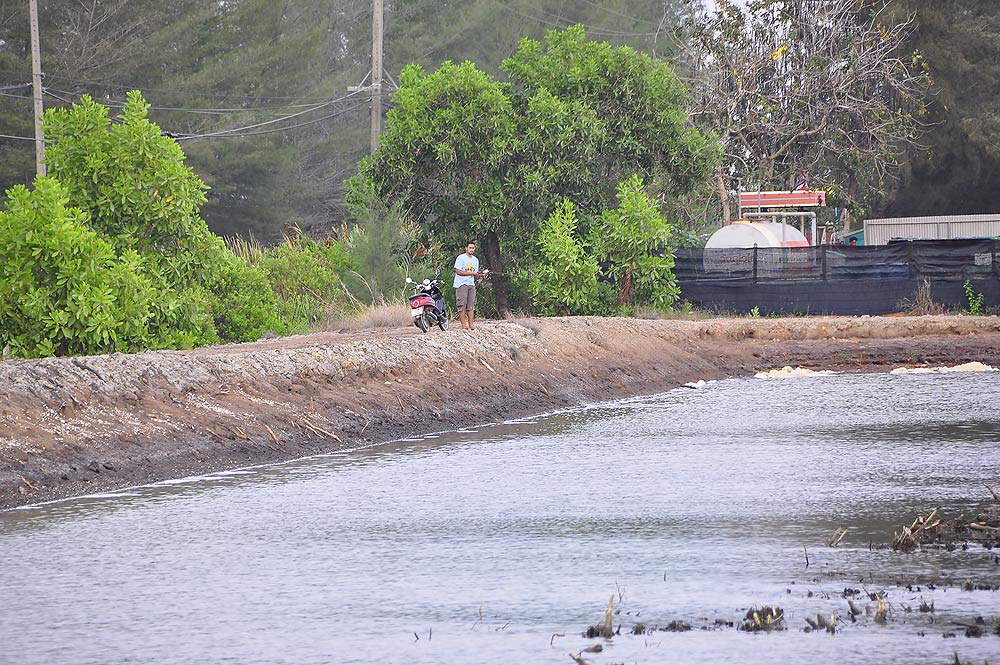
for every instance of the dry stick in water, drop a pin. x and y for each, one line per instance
(996, 497)
(607, 630)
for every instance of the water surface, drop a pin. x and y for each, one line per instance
(502, 544)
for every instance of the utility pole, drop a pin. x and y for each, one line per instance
(377, 33)
(375, 87)
(36, 86)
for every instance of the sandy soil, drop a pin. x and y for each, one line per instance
(71, 426)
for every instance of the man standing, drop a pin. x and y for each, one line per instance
(466, 271)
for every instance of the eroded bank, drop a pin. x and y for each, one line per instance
(71, 426)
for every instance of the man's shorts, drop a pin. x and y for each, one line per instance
(465, 298)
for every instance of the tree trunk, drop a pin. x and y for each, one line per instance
(501, 285)
(727, 213)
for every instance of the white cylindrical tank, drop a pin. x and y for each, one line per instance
(744, 235)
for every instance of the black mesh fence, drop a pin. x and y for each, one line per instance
(839, 279)
(938, 259)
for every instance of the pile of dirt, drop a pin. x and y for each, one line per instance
(71, 426)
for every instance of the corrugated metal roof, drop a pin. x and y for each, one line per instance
(942, 227)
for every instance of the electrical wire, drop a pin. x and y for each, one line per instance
(222, 111)
(23, 138)
(617, 13)
(594, 30)
(189, 137)
(224, 132)
(194, 93)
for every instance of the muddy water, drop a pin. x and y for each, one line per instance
(501, 545)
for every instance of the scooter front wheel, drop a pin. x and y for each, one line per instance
(443, 322)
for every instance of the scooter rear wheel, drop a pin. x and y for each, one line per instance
(420, 323)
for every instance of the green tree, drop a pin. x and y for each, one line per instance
(239, 63)
(138, 193)
(472, 156)
(956, 169)
(565, 279)
(63, 289)
(637, 242)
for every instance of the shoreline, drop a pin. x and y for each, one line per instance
(81, 425)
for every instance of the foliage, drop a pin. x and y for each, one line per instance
(565, 281)
(471, 156)
(380, 244)
(235, 64)
(638, 103)
(826, 89)
(245, 307)
(975, 299)
(63, 290)
(956, 168)
(636, 241)
(304, 275)
(131, 178)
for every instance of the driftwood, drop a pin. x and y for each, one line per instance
(983, 529)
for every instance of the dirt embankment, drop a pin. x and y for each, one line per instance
(79, 425)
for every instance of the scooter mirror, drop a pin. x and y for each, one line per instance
(409, 281)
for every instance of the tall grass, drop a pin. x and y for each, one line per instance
(381, 315)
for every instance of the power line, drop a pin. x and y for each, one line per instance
(223, 132)
(222, 111)
(176, 91)
(276, 129)
(617, 13)
(23, 138)
(559, 19)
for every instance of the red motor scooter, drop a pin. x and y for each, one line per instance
(427, 304)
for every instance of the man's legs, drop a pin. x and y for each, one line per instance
(470, 303)
(461, 295)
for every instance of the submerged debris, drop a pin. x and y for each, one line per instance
(984, 529)
(604, 629)
(766, 618)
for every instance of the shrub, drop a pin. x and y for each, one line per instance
(63, 290)
(636, 242)
(304, 277)
(565, 281)
(129, 176)
(139, 195)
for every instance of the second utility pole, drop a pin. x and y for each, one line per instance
(36, 85)
(376, 73)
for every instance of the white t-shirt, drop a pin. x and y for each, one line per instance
(468, 263)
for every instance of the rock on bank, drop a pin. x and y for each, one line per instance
(78, 425)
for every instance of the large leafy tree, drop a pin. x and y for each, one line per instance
(827, 88)
(238, 63)
(471, 155)
(957, 167)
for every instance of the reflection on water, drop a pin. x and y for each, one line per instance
(502, 543)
